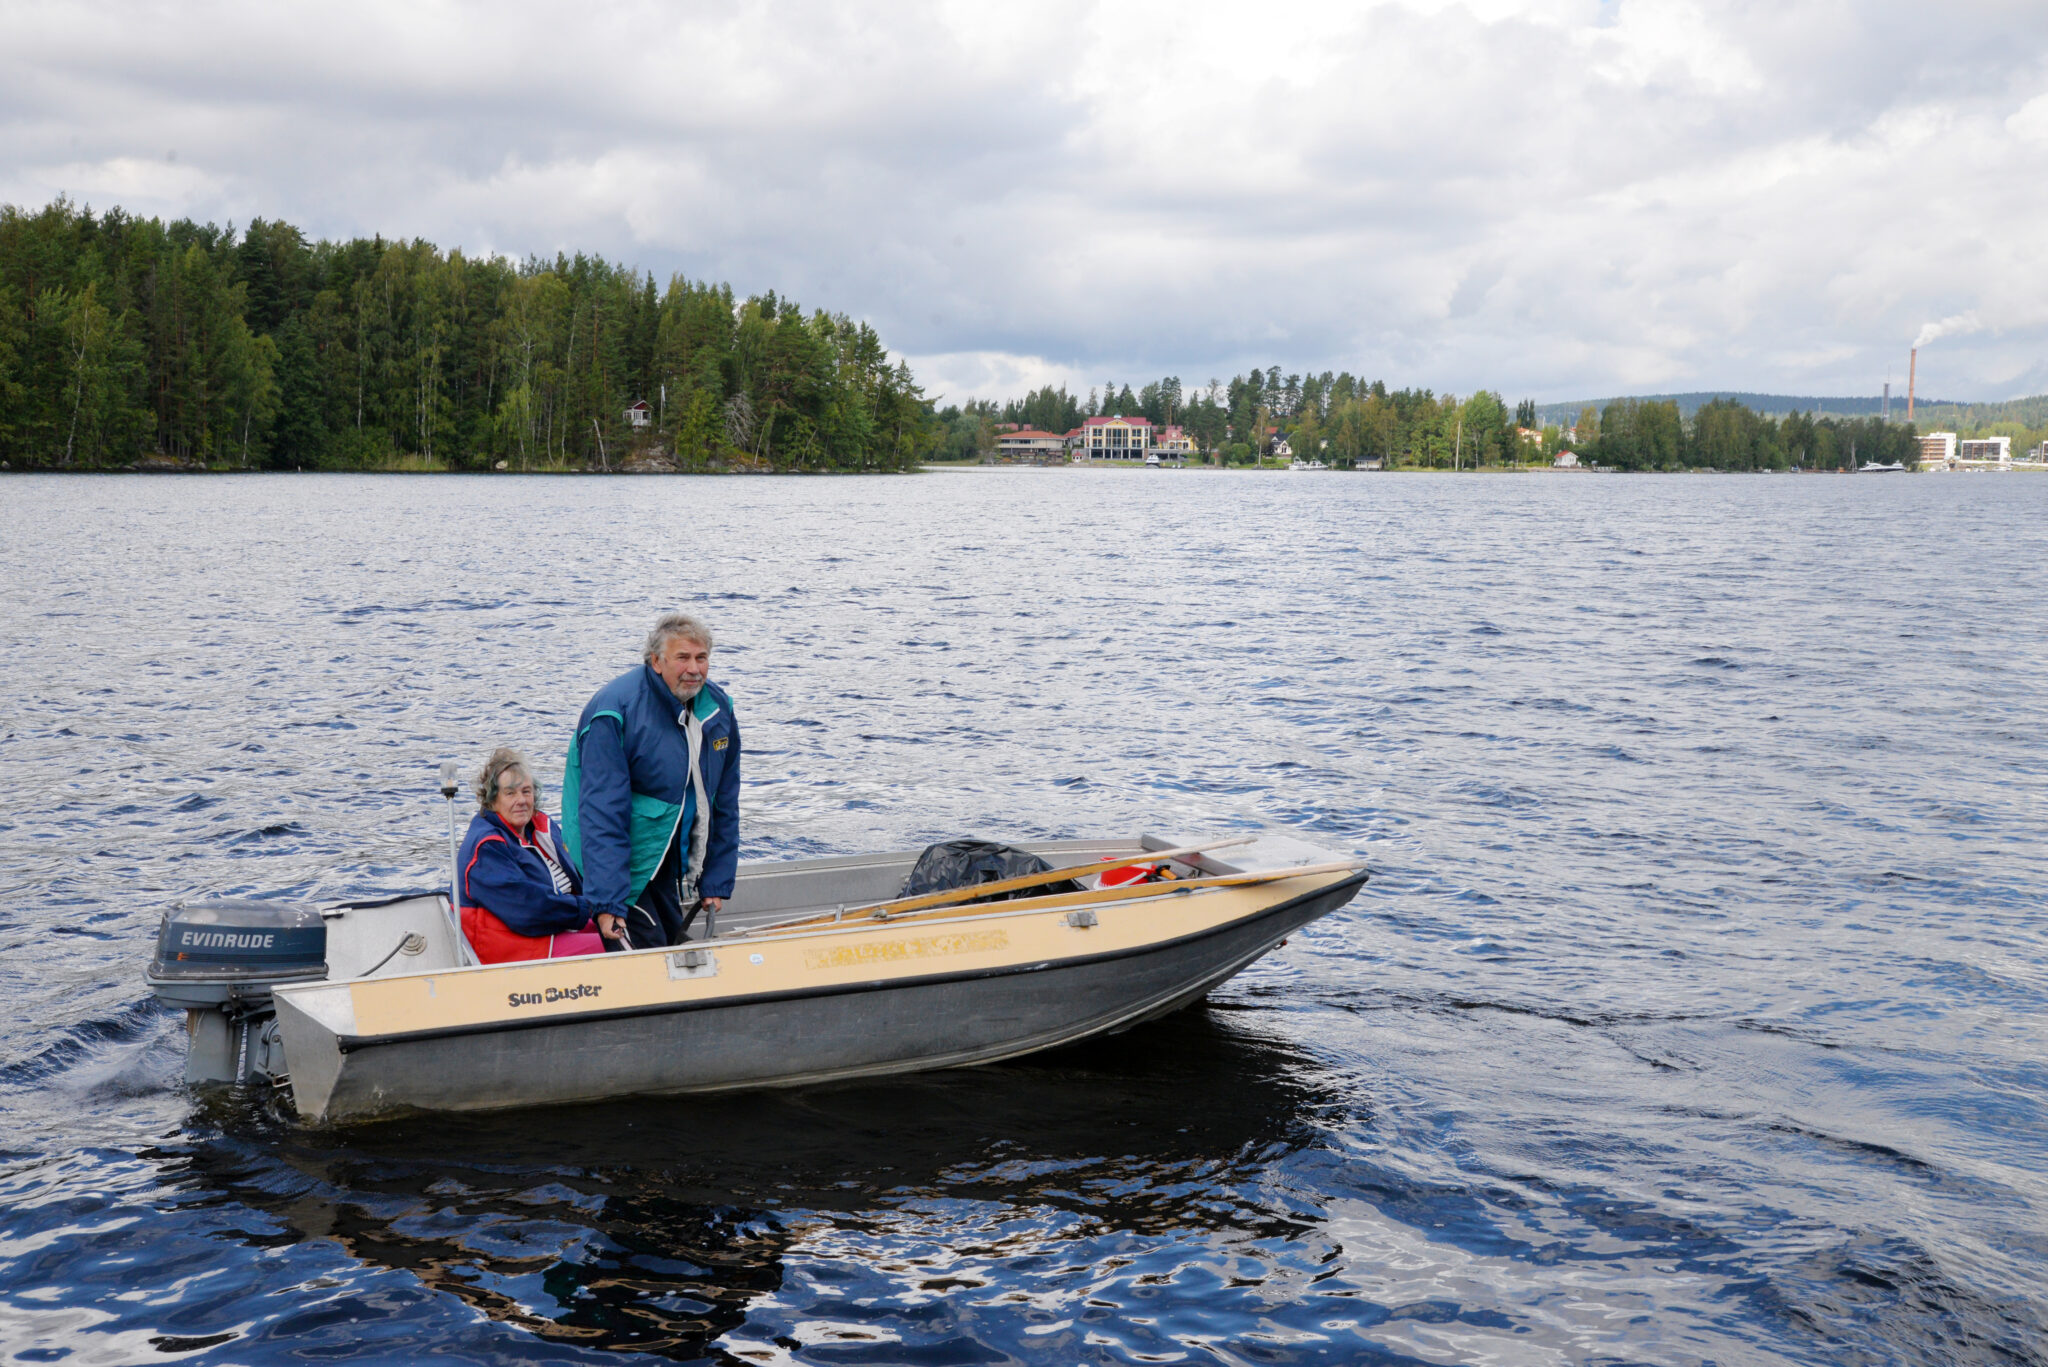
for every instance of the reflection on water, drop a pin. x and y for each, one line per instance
(654, 1225)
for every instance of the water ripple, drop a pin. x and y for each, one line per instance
(1695, 1013)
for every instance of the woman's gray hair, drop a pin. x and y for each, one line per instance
(670, 625)
(503, 761)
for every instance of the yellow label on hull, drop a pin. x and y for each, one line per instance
(892, 951)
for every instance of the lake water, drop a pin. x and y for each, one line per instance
(1695, 1012)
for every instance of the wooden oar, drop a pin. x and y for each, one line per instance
(1094, 896)
(948, 896)
(945, 896)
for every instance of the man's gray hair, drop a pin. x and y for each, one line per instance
(671, 625)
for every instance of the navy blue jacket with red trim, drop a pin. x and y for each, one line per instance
(502, 874)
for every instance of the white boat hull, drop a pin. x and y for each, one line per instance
(775, 1038)
(791, 989)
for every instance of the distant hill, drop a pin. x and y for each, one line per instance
(1776, 405)
(1972, 419)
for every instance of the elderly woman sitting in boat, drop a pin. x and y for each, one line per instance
(521, 896)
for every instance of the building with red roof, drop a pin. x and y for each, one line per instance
(1114, 438)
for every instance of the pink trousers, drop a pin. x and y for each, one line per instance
(584, 941)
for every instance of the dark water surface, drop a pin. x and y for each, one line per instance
(1695, 1013)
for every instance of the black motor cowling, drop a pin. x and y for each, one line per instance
(232, 950)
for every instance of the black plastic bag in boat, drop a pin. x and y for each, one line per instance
(963, 863)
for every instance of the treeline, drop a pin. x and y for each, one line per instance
(1345, 420)
(1724, 435)
(123, 338)
(1337, 415)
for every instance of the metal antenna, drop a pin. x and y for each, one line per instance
(451, 780)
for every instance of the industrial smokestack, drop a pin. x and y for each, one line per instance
(1912, 370)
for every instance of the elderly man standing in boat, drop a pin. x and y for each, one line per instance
(650, 795)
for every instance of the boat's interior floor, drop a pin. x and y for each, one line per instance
(412, 933)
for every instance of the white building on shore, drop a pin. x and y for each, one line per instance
(1938, 451)
(1941, 451)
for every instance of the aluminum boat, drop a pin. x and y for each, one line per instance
(814, 972)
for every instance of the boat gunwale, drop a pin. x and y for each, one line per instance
(809, 921)
(873, 916)
(347, 1044)
(762, 869)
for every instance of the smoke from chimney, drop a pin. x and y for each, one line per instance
(1954, 326)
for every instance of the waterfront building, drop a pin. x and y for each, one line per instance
(1115, 438)
(1938, 451)
(1030, 444)
(1566, 460)
(1172, 442)
(640, 414)
(1990, 450)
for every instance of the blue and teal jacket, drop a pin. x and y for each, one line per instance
(503, 875)
(627, 789)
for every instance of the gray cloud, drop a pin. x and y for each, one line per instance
(1559, 198)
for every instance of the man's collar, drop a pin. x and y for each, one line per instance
(668, 695)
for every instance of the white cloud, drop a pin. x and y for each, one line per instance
(1561, 198)
(2030, 120)
(951, 377)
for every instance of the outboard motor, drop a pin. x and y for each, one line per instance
(218, 960)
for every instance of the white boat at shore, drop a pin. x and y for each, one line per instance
(813, 975)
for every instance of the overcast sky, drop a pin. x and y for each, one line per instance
(1554, 198)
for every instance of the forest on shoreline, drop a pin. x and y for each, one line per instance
(129, 341)
(135, 343)
(1347, 422)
